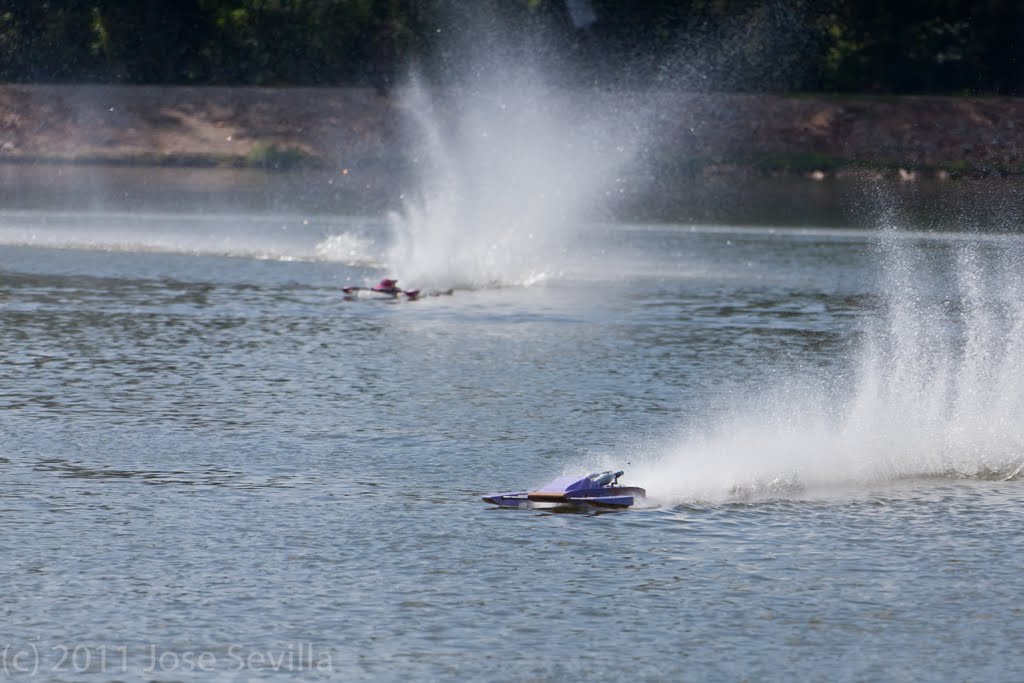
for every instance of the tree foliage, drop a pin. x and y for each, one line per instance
(942, 46)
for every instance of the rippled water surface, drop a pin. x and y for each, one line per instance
(214, 467)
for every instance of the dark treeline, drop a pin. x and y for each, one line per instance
(928, 46)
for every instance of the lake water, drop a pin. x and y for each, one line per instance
(215, 468)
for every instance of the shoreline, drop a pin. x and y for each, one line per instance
(718, 158)
(288, 128)
(285, 160)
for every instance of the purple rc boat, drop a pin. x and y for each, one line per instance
(601, 489)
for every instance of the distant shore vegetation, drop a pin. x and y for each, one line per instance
(842, 46)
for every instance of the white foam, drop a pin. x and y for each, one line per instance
(509, 171)
(939, 392)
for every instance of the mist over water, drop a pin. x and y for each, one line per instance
(936, 389)
(512, 171)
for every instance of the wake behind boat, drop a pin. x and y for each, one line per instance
(600, 489)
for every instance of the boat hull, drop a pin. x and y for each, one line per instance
(579, 492)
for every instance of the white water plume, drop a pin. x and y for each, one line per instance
(509, 176)
(939, 391)
(942, 380)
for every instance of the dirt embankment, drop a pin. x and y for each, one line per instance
(353, 126)
(190, 126)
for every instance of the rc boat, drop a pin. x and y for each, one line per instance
(386, 287)
(600, 489)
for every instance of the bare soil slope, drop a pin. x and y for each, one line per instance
(160, 125)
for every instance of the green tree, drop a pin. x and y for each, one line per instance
(45, 41)
(158, 41)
